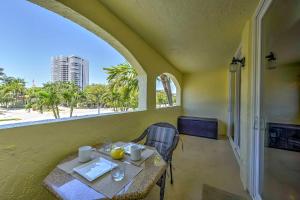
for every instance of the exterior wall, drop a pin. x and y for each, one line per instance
(70, 68)
(59, 68)
(28, 154)
(85, 73)
(205, 94)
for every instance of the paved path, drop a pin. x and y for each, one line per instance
(22, 115)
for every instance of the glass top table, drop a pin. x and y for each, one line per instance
(66, 186)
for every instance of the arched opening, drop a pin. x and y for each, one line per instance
(167, 91)
(75, 17)
(67, 91)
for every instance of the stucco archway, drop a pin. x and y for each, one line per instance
(177, 87)
(77, 18)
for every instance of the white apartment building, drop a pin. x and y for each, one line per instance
(70, 68)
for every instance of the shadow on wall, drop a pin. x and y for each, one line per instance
(205, 94)
(282, 94)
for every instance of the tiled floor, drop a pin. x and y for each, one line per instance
(281, 175)
(203, 161)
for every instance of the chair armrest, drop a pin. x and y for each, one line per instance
(173, 147)
(141, 137)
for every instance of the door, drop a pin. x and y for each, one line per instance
(276, 114)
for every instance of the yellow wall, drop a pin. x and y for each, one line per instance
(28, 154)
(205, 94)
(282, 94)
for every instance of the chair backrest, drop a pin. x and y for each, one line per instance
(164, 137)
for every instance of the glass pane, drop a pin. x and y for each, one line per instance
(280, 171)
(233, 104)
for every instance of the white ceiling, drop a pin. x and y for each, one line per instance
(190, 34)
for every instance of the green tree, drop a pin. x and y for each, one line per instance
(161, 98)
(50, 97)
(71, 95)
(96, 94)
(6, 96)
(13, 89)
(2, 74)
(32, 99)
(123, 86)
(174, 99)
(166, 82)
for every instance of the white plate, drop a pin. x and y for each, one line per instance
(128, 145)
(95, 168)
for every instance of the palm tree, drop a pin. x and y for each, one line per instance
(161, 98)
(96, 94)
(166, 82)
(71, 94)
(6, 95)
(18, 88)
(32, 99)
(123, 84)
(50, 97)
(122, 75)
(2, 74)
(15, 87)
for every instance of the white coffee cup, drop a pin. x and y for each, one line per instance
(135, 153)
(85, 153)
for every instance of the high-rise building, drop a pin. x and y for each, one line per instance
(70, 69)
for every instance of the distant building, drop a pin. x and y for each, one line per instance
(70, 69)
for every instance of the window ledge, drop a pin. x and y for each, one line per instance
(48, 121)
(167, 107)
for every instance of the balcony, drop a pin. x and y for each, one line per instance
(202, 162)
(192, 42)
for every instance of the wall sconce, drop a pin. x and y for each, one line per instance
(235, 62)
(271, 60)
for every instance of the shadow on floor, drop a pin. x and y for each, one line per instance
(203, 161)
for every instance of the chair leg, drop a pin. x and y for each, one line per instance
(162, 187)
(171, 172)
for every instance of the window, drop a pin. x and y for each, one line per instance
(48, 82)
(166, 91)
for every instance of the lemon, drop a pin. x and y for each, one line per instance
(117, 153)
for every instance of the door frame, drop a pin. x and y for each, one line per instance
(234, 143)
(256, 123)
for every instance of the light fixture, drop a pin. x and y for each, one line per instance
(236, 62)
(271, 60)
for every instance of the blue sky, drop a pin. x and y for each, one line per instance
(30, 35)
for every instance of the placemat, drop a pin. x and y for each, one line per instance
(104, 184)
(146, 153)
